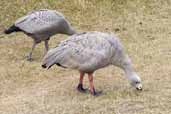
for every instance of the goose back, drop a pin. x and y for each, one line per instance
(43, 22)
(86, 52)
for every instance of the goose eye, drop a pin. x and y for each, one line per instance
(137, 82)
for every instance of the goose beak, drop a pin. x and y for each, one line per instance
(139, 87)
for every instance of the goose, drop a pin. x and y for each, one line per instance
(40, 25)
(88, 52)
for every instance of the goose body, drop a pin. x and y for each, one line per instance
(41, 25)
(86, 52)
(90, 51)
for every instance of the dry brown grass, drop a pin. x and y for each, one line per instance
(144, 27)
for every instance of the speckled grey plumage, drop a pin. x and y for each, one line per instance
(42, 24)
(84, 51)
(91, 51)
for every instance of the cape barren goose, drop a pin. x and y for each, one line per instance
(41, 25)
(88, 52)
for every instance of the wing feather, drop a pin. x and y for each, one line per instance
(39, 21)
(83, 53)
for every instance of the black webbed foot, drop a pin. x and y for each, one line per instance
(95, 93)
(81, 89)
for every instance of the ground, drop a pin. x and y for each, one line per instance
(144, 28)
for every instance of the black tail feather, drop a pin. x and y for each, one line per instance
(60, 65)
(11, 29)
(43, 66)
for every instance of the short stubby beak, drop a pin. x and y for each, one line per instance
(139, 87)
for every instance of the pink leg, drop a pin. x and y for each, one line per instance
(81, 77)
(80, 85)
(92, 89)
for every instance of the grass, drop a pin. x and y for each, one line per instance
(143, 27)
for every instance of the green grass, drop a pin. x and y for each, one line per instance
(144, 28)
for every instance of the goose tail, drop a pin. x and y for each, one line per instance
(11, 29)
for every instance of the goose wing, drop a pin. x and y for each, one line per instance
(83, 52)
(39, 21)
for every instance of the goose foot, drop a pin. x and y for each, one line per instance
(95, 93)
(81, 89)
(29, 58)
